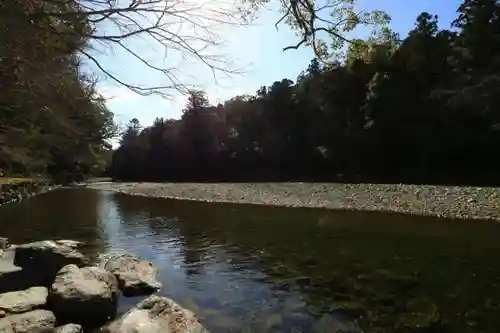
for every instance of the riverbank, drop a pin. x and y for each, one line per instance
(17, 189)
(51, 287)
(441, 201)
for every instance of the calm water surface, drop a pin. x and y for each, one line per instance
(244, 268)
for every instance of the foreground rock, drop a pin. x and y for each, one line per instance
(156, 315)
(38, 321)
(86, 296)
(23, 301)
(42, 260)
(79, 294)
(69, 328)
(135, 276)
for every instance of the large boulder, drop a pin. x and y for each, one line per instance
(135, 276)
(42, 260)
(86, 296)
(23, 301)
(37, 321)
(69, 328)
(156, 314)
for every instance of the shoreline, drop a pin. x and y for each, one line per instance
(11, 192)
(454, 202)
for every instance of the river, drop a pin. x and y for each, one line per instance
(247, 268)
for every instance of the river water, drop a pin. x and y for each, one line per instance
(244, 268)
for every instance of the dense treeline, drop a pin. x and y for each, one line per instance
(426, 108)
(52, 120)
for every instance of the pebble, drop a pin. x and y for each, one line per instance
(441, 201)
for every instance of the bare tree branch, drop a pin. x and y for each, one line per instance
(183, 28)
(187, 29)
(144, 91)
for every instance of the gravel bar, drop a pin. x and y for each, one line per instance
(442, 201)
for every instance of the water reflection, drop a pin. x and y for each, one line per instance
(273, 269)
(259, 269)
(63, 214)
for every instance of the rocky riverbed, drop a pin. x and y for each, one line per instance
(50, 286)
(441, 201)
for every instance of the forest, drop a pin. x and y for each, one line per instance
(423, 109)
(53, 122)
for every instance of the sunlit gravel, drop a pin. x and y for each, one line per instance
(442, 201)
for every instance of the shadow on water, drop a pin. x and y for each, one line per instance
(244, 268)
(61, 214)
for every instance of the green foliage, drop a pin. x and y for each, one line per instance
(52, 119)
(421, 109)
(322, 25)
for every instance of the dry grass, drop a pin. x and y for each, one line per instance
(17, 180)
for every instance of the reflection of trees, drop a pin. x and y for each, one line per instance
(130, 212)
(363, 263)
(61, 214)
(162, 219)
(192, 250)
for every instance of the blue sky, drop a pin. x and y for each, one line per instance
(256, 48)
